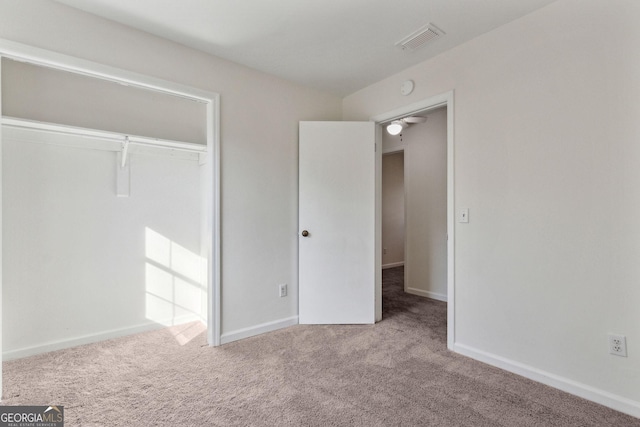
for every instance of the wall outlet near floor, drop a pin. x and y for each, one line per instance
(618, 345)
(282, 290)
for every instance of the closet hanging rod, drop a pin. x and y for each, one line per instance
(104, 135)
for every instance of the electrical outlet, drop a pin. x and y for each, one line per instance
(384, 251)
(618, 345)
(282, 290)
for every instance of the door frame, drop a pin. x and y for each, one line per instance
(443, 100)
(211, 233)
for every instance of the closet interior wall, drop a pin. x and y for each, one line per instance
(81, 264)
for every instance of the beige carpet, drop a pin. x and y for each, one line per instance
(395, 373)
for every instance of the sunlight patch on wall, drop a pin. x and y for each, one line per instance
(175, 280)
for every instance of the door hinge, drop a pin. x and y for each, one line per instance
(375, 147)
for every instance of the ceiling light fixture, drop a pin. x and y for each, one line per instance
(396, 127)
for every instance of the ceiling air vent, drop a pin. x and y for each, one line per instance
(420, 37)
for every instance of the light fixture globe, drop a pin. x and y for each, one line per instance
(395, 127)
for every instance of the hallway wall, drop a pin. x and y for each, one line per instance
(393, 210)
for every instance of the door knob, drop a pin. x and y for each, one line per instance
(305, 233)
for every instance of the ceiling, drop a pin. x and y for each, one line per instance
(339, 46)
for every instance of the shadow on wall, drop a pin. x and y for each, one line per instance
(175, 283)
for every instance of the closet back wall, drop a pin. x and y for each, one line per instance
(81, 264)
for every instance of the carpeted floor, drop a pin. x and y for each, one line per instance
(395, 373)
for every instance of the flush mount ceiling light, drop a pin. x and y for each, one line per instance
(396, 126)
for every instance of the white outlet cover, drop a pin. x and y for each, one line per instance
(618, 345)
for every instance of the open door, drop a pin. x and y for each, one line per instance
(337, 223)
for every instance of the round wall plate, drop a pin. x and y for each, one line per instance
(407, 87)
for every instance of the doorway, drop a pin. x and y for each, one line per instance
(446, 102)
(424, 146)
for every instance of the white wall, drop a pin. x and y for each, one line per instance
(80, 263)
(425, 146)
(546, 158)
(259, 144)
(392, 209)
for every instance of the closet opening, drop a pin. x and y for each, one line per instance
(110, 208)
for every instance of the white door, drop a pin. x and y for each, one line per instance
(337, 223)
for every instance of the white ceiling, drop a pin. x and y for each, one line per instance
(339, 46)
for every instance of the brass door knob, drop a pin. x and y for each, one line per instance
(305, 233)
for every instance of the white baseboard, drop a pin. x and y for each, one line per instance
(593, 394)
(258, 329)
(91, 338)
(428, 294)
(393, 264)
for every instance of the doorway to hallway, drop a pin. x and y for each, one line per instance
(437, 269)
